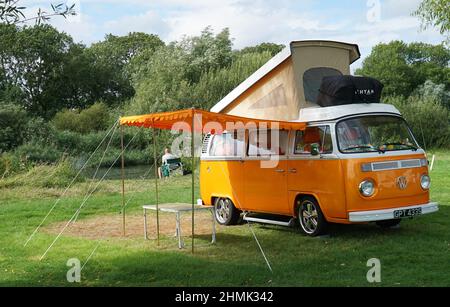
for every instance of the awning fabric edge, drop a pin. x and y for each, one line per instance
(204, 121)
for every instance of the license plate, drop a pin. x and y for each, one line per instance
(407, 212)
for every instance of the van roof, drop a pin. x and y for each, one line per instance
(336, 112)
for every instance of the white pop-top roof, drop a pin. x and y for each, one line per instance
(336, 112)
(273, 63)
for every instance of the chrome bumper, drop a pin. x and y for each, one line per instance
(388, 214)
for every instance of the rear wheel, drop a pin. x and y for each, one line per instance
(311, 219)
(225, 212)
(388, 223)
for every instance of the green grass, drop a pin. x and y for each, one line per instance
(416, 254)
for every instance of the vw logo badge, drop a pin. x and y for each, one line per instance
(402, 183)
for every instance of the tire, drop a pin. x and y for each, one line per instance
(311, 219)
(388, 223)
(225, 212)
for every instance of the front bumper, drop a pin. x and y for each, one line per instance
(388, 214)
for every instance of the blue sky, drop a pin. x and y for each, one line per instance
(364, 22)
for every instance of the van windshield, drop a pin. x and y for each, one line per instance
(374, 134)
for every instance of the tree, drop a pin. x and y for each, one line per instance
(12, 122)
(272, 48)
(215, 84)
(112, 58)
(11, 12)
(435, 13)
(39, 61)
(206, 52)
(403, 67)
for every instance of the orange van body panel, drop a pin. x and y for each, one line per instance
(333, 182)
(221, 179)
(387, 194)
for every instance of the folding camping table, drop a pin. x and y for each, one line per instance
(179, 208)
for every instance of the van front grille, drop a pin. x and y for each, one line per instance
(391, 165)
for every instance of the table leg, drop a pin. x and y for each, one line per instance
(145, 225)
(180, 240)
(213, 226)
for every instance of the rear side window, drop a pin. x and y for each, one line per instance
(320, 135)
(267, 143)
(227, 145)
(312, 79)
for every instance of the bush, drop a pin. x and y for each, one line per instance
(45, 176)
(39, 153)
(94, 118)
(12, 121)
(11, 164)
(429, 120)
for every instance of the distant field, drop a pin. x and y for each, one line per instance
(416, 254)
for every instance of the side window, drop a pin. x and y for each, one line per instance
(312, 79)
(267, 143)
(226, 145)
(320, 135)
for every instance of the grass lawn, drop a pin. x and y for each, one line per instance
(416, 254)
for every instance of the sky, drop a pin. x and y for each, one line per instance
(364, 22)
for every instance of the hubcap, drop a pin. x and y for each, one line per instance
(223, 209)
(309, 218)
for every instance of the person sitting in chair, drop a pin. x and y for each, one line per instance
(167, 156)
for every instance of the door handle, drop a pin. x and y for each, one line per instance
(279, 170)
(292, 170)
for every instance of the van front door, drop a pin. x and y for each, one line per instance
(265, 172)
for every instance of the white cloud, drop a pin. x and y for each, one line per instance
(255, 21)
(149, 22)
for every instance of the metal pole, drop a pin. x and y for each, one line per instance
(156, 185)
(123, 180)
(193, 176)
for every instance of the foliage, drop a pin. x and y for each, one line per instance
(112, 56)
(435, 13)
(271, 48)
(12, 12)
(403, 67)
(12, 122)
(94, 118)
(38, 153)
(11, 164)
(428, 119)
(437, 92)
(215, 84)
(206, 52)
(45, 71)
(59, 175)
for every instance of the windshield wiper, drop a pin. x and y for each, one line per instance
(362, 147)
(412, 147)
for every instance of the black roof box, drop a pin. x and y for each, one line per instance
(339, 90)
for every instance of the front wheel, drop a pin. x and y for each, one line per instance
(311, 218)
(225, 212)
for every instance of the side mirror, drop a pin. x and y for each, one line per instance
(315, 149)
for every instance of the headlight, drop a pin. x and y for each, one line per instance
(425, 182)
(366, 188)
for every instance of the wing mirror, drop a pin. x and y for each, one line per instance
(315, 149)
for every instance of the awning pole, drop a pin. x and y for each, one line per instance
(156, 185)
(193, 175)
(123, 180)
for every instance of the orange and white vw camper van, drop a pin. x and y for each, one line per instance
(357, 161)
(354, 163)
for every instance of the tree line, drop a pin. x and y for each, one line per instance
(58, 97)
